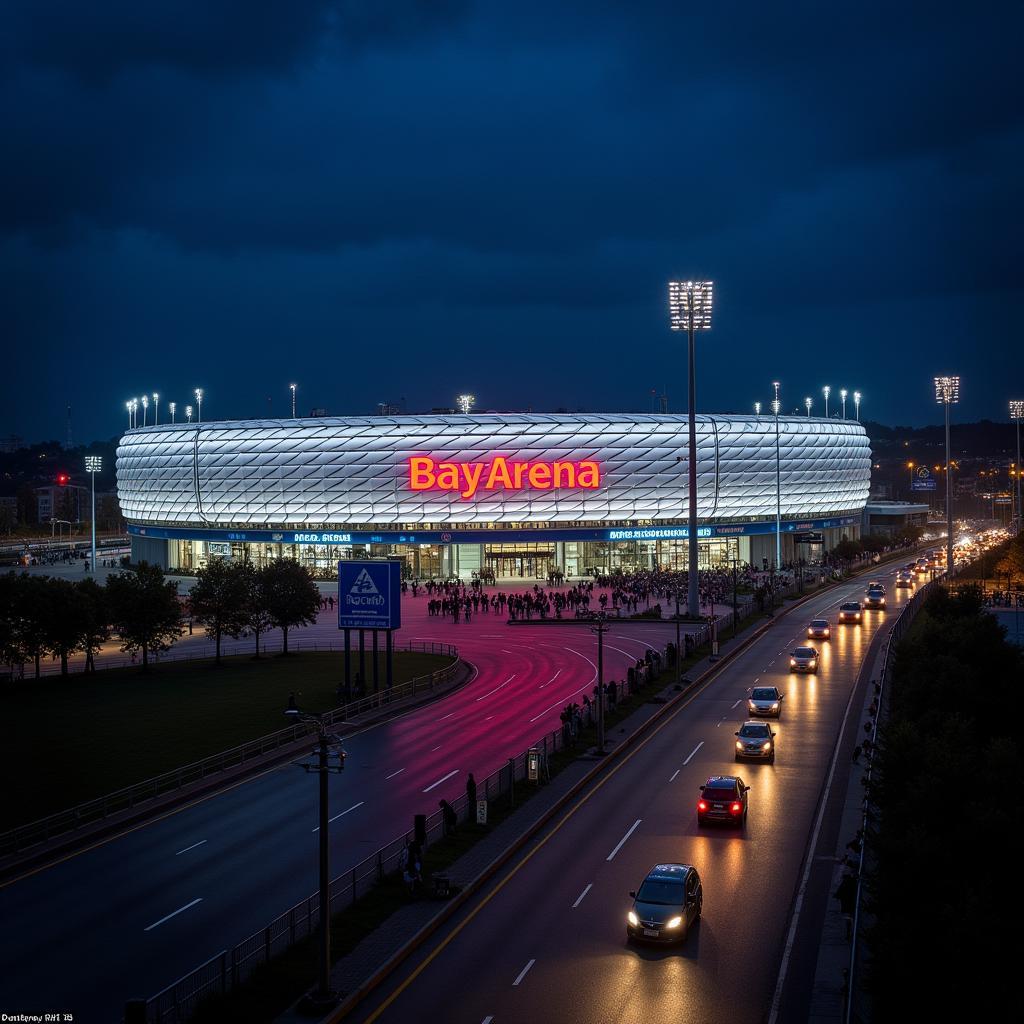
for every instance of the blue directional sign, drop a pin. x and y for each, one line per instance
(369, 595)
(922, 480)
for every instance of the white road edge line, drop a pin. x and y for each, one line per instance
(497, 688)
(675, 775)
(551, 680)
(737, 702)
(446, 717)
(522, 973)
(341, 814)
(393, 774)
(487, 1020)
(180, 910)
(444, 778)
(192, 847)
(622, 841)
(773, 1015)
(692, 752)
(579, 899)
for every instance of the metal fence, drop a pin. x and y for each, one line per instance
(24, 837)
(229, 968)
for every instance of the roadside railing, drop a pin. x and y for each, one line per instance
(228, 969)
(23, 837)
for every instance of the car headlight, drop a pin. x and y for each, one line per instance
(632, 918)
(814, 663)
(739, 746)
(673, 922)
(767, 745)
(792, 662)
(775, 707)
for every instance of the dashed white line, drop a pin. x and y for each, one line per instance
(180, 910)
(487, 1020)
(192, 847)
(444, 717)
(737, 702)
(488, 718)
(497, 688)
(675, 775)
(622, 842)
(692, 752)
(551, 680)
(503, 651)
(435, 749)
(393, 774)
(341, 814)
(444, 778)
(579, 899)
(523, 972)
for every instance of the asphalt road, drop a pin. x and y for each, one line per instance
(135, 913)
(547, 941)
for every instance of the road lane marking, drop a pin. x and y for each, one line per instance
(488, 718)
(675, 774)
(737, 702)
(692, 752)
(551, 680)
(756, 678)
(444, 717)
(341, 814)
(487, 1020)
(497, 688)
(192, 847)
(434, 749)
(579, 899)
(503, 651)
(444, 778)
(393, 774)
(180, 910)
(622, 841)
(522, 973)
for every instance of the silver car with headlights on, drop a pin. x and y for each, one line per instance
(804, 659)
(765, 700)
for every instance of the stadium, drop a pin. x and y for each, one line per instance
(509, 496)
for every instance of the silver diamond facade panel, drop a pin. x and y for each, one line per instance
(322, 471)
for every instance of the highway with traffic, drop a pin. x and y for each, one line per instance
(134, 913)
(546, 941)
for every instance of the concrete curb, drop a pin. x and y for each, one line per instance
(473, 887)
(106, 828)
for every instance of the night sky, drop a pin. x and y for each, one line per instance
(397, 200)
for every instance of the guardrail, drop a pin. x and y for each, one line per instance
(23, 837)
(229, 968)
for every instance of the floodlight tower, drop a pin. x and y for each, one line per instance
(757, 408)
(128, 406)
(776, 406)
(826, 391)
(1017, 413)
(808, 402)
(856, 404)
(188, 413)
(842, 398)
(690, 304)
(947, 393)
(293, 388)
(93, 464)
(172, 406)
(465, 403)
(145, 407)
(199, 405)
(156, 409)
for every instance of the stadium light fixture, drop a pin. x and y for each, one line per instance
(188, 413)
(826, 391)
(156, 409)
(465, 403)
(1017, 414)
(842, 398)
(292, 388)
(947, 393)
(145, 406)
(856, 404)
(172, 406)
(808, 402)
(199, 404)
(689, 309)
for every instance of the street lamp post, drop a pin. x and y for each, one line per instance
(776, 405)
(199, 404)
(156, 409)
(172, 406)
(690, 304)
(856, 404)
(808, 402)
(599, 631)
(947, 393)
(292, 388)
(842, 398)
(757, 408)
(145, 407)
(1017, 414)
(188, 413)
(93, 464)
(826, 391)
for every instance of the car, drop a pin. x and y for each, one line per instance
(804, 659)
(819, 629)
(667, 904)
(765, 700)
(724, 798)
(904, 579)
(755, 741)
(850, 612)
(875, 597)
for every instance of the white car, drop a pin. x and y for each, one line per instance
(804, 659)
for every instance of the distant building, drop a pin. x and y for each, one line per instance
(8, 511)
(11, 443)
(68, 503)
(892, 517)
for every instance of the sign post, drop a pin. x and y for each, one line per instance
(369, 597)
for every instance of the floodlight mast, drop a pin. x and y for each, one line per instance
(465, 403)
(1017, 414)
(690, 304)
(947, 393)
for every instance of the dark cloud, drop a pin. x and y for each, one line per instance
(216, 176)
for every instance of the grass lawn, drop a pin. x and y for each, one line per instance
(63, 741)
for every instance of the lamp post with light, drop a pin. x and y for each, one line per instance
(856, 404)
(947, 393)
(292, 388)
(826, 391)
(1017, 414)
(199, 405)
(776, 405)
(93, 465)
(808, 402)
(690, 304)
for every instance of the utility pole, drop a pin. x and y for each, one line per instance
(599, 630)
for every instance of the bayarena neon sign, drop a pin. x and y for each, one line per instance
(502, 474)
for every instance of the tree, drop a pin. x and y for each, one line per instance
(61, 622)
(13, 650)
(874, 543)
(220, 599)
(144, 610)
(290, 595)
(257, 613)
(1011, 565)
(94, 610)
(847, 550)
(32, 613)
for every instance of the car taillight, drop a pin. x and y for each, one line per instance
(735, 808)
(702, 806)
